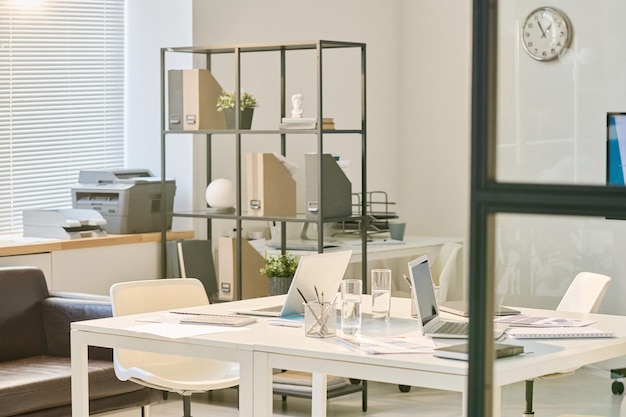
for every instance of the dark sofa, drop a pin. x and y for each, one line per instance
(35, 374)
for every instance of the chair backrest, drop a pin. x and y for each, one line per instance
(145, 296)
(585, 293)
(444, 268)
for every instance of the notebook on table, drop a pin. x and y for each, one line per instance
(322, 271)
(429, 319)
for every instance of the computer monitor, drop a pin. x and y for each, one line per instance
(616, 149)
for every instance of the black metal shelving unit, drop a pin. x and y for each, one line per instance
(239, 215)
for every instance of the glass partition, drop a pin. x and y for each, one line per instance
(553, 103)
(538, 256)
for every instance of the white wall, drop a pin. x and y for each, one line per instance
(415, 89)
(435, 116)
(152, 25)
(417, 102)
(286, 21)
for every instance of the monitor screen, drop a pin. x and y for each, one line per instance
(615, 148)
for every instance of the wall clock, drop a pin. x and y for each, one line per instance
(546, 33)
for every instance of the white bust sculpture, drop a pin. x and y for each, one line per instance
(296, 101)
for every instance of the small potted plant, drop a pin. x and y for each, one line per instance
(247, 103)
(280, 270)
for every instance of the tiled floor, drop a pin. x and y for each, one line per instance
(587, 391)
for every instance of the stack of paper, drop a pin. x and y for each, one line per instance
(301, 381)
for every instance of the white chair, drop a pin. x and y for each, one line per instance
(443, 269)
(179, 374)
(584, 295)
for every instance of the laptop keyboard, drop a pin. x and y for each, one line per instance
(451, 327)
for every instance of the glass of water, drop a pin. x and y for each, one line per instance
(381, 293)
(351, 293)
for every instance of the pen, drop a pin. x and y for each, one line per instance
(316, 294)
(302, 296)
(408, 281)
(326, 314)
(317, 319)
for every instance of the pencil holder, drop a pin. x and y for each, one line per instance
(320, 320)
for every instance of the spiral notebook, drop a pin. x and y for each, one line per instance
(556, 332)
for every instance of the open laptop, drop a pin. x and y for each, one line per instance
(431, 323)
(322, 271)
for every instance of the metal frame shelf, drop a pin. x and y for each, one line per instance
(239, 215)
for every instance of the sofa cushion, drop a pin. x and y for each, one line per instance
(21, 327)
(41, 382)
(59, 313)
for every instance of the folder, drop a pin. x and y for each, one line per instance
(195, 260)
(175, 99)
(336, 188)
(271, 187)
(253, 283)
(192, 100)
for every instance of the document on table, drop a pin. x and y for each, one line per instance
(381, 345)
(556, 332)
(522, 320)
(177, 330)
(169, 325)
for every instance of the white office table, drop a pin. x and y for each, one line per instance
(114, 333)
(264, 347)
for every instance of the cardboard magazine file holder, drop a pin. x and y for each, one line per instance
(253, 284)
(271, 187)
(336, 188)
(192, 99)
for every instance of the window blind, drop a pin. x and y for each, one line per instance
(61, 99)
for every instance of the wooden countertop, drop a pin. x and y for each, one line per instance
(16, 245)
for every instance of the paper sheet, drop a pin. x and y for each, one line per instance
(176, 330)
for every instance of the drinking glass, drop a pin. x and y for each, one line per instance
(351, 293)
(381, 293)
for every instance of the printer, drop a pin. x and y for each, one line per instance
(63, 223)
(129, 200)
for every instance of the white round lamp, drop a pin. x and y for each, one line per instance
(220, 195)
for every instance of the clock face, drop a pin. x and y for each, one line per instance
(546, 33)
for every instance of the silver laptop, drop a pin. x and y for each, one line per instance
(431, 324)
(322, 272)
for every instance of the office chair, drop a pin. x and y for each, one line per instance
(170, 373)
(584, 295)
(443, 269)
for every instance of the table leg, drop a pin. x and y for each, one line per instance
(80, 379)
(262, 390)
(318, 396)
(464, 398)
(497, 401)
(246, 384)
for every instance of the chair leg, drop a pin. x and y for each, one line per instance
(529, 399)
(186, 405)
(364, 396)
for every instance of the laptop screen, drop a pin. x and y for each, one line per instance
(419, 270)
